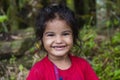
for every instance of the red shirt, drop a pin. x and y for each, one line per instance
(79, 70)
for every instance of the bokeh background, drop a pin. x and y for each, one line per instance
(99, 36)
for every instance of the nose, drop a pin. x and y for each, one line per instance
(58, 39)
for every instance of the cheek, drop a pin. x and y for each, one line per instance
(70, 40)
(46, 42)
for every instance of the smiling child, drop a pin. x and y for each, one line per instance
(57, 29)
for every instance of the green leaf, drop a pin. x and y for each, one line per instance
(117, 73)
(3, 18)
(108, 23)
(21, 67)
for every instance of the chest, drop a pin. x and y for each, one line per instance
(74, 73)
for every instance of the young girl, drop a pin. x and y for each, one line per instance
(57, 29)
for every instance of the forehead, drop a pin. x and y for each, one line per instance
(57, 25)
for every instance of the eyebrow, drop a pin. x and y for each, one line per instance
(48, 33)
(67, 31)
(62, 32)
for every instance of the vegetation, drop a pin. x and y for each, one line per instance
(102, 52)
(99, 44)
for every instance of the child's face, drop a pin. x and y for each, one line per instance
(57, 38)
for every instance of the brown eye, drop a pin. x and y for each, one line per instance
(50, 35)
(65, 34)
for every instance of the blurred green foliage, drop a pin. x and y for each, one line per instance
(101, 47)
(3, 18)
(102, 51)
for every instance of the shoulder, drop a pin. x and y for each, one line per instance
(79, 59)
(36, 72)
(86, 68)
(40, 64)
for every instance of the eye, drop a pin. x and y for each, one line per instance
(66, 34)
(49, 34)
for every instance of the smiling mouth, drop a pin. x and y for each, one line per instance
(59, 47)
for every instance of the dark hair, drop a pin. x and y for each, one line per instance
(52, 12)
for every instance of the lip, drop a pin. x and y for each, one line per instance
(58, 48)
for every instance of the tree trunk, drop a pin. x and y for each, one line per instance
(12, 13)
(86, 6)
(101, 13)
(118, 5)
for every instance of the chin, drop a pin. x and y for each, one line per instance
(61, 53)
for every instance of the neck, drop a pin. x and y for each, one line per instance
(61, 62)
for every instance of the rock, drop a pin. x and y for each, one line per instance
(23, 40)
